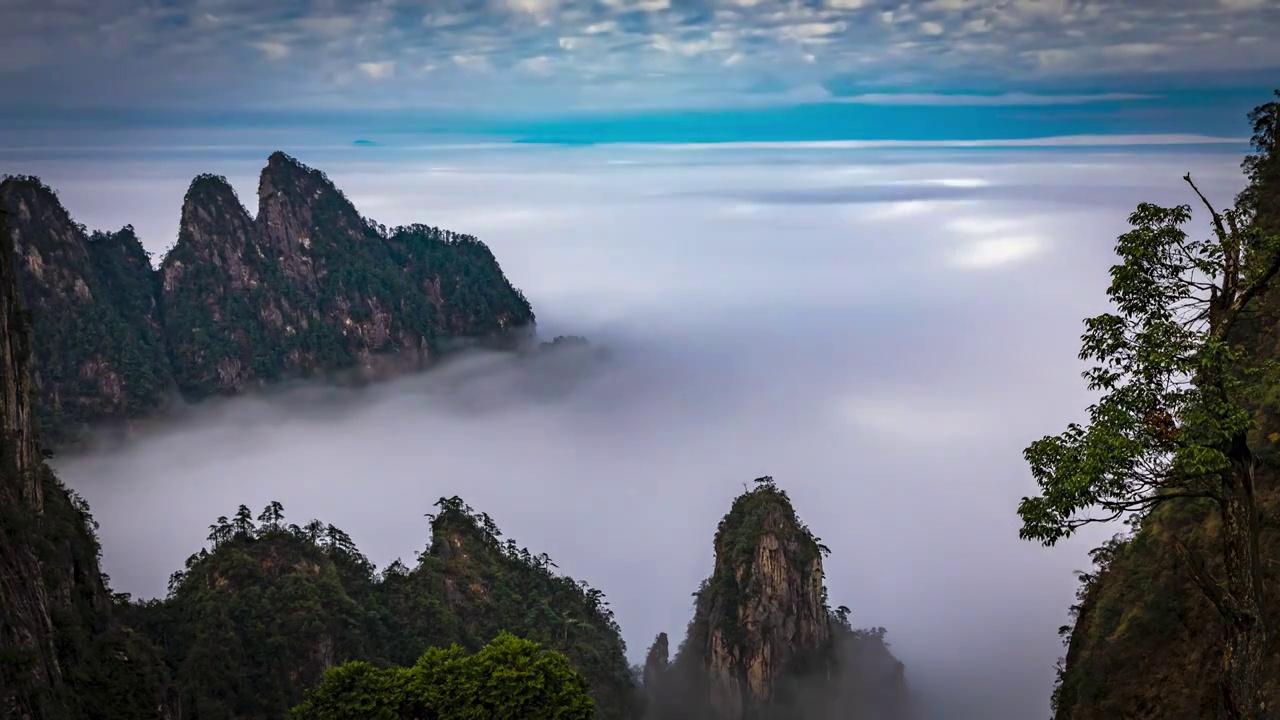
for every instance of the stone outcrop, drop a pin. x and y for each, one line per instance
(763, 643)
(307, 288)
(98, 349)
(1145, 642)
(765, 611)
(656, 663)
(55, 608)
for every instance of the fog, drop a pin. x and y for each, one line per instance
(883, 332)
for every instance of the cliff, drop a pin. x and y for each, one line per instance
(98, 349)
(61, 654)
(1145, 642)
(307, 288)
(763, 642)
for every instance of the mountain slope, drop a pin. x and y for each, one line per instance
(307, 288)
(763, 643)
(61, 655)
(254, 621)
(99, 347)
(1145, 642)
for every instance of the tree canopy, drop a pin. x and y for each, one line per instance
(509, 679)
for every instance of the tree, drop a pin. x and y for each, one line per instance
(272, 515)
(242, 525)
(1263, 167)
(508, 679)
(1173, 423)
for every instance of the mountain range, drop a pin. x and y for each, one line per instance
(308, 288)
(93, 335)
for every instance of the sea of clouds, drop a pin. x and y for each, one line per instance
(882, 330)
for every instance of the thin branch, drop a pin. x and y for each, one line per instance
(1257, 285)
(1211, 588)
(1217, 219)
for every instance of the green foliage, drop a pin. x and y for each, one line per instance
(499, 585)
(255, 620)
(764, 508)
(1175, 393)
(1262, 167)
(260, 313)
(1195, 333)
(508, 679)
(99, 350)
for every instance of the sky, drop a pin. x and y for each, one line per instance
(882, 330)
(608, 70)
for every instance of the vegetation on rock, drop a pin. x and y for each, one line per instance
(99, 349)
(508, 679)
(1178, 446)
(308, 288)
(258, 618)
(764, 643)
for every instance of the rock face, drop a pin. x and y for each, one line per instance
(307, 288)
(656, 662)
(763, 642)
(1146, 643)
(99, 348)
(765, 609)
(55, 608)
(27, 630)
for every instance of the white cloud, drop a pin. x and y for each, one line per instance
(897, 417)
(537, 8)
(273, 50)
(1135, 49)
(328, 24)
(471, 62)
(601, 28)
(931, 28)
(846, 4)
(443, 20)
(805, 32)
(998, 252)
(378, 70)
(643, 5)
(969, 99)
(540, 65)
(689, 48)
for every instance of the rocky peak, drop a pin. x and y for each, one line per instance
(308, 288)
(50, 246)
(765, 606)
(97, 348)
(656, 663)
(300, 212)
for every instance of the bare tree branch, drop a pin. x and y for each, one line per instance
(1211, 588)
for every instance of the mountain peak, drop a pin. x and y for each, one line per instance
(284, 170)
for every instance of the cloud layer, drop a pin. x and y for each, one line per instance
(553, 55)
(885, 351)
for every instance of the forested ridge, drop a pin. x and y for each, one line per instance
(308, 288)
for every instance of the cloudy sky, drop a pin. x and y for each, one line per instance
(88, 61)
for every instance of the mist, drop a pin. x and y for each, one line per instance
(883, 332)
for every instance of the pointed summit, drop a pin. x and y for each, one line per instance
(98, 350)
